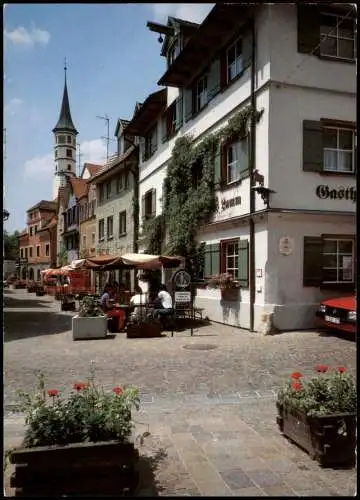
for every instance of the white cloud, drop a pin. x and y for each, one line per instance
(93, 151)
(44, 166)
(21, 36)
(13, 106)
(195, 12)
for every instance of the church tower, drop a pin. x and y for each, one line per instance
(65, 144)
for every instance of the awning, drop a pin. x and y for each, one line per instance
(131, 260)
(148, 261)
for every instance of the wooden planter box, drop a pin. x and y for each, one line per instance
(144, 330)
(106, 468)
(331, 439)
(89, 328)
(230, 294)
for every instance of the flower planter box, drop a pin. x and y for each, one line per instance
(89, 327)
(330, 439)
(230, 294)
(105, 468)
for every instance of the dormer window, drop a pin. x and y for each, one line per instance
(174, 50)
(151, 143)
(234, 60)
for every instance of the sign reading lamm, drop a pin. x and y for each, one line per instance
(324, 192)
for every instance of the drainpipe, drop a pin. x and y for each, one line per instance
(252, 184)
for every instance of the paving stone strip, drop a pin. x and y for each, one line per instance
(186, 399)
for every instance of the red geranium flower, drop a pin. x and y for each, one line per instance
(118, 390)
(321, 368)
(296, 386)
(341, 369)
(296, 375)
(53, 392)
(79, 386)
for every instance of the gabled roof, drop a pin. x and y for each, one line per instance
(121, 123)
(79, 187)
(51, 223)
(111, 169)
(145, 116)
(65, 122)
(93, 168)
(44, 205)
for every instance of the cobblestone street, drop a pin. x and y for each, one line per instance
(208, 399)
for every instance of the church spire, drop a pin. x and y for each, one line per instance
(65, 123)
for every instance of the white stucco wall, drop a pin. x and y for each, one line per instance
(293, 304)
(289, 106)
(312, 71)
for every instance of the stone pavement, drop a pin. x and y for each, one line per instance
(220, 450)
(208, 400)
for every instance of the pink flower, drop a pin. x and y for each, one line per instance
(321, 368)
(296, 386)
(53, 392)
(296, 375)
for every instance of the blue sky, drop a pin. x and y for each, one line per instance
(113, 61)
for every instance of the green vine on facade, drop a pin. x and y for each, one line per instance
(189, 198)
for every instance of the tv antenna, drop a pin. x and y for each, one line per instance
(107, 138)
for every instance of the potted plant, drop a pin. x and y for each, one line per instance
(90, 322)
(228, 286)
(319, 414)
(76, 444)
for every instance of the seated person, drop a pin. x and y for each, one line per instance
(106, 298)
(164, 304)
(116, 316)
(138, 299)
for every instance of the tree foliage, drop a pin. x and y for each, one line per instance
(188, 204)
(11, 245)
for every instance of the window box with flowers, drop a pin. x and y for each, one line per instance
(77, 444)
(319, 414)
(229, 287)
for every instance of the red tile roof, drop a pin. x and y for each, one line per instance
(93, 168)
(79, 187)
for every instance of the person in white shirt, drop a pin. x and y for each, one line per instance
(164, 305)
(138, 299)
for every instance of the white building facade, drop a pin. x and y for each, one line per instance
(286, 228)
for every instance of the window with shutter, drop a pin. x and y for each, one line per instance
(235, 161)
(312, 146)
(143, 207)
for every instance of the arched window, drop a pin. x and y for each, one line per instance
(38, 275)
(31, 274)
(23, 273)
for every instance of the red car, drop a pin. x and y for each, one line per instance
(338, 314)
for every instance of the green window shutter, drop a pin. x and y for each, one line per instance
(312, 146)
(153, 202)
(246, 49)
(217, 167)
(211, 259)
(308, 28)
(312, 269)
(143, 206)
(215, 258)
(244, 158)
(243, 263)
(188, 103)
